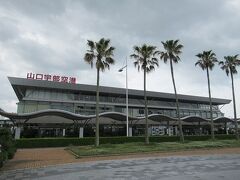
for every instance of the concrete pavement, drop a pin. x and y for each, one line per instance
(214, 167)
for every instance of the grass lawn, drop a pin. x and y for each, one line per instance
(128, 148)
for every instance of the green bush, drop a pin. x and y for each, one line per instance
(224, 136)
(8, 148)
(3, 157)
(11, 152)
(52, 142)
(63, 142)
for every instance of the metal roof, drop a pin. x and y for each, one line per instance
(114, 115)
(20, 84)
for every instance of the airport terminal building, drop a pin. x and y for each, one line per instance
(55, 108)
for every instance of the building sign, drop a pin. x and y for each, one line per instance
(54, 78)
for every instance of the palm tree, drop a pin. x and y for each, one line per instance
(172, 51)
(229, 66)
(207, 60)
(145, 60)
(102, 53)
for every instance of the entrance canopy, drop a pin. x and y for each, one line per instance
(22, 118)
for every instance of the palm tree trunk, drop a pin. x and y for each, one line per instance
(178, 113)
(97, 112)
(146, 110)
(210, 101)
(234, 107)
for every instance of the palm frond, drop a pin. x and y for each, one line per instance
(101, 52)
(110, 60)
(91, 44)
(230, 64)
(172, 51)
(109, 51)
(145, 56)
(207, 59)
(89, 57)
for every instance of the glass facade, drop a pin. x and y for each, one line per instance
(84, 103)
(81, 99)
(49, 95)
(32, 106)
(68, 96)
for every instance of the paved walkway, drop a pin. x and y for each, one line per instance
(33, 158)
(205, 167)
(42, 157)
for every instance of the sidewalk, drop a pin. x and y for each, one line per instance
(41, 157)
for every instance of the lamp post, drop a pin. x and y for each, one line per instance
(120, 70)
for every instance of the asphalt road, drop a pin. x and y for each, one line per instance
(210, 167)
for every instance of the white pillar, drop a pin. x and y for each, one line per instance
(130, 131)
(150, 130)
(226, 128)
(17, 133)
(63, 132)
(168, 129)
(81, 132)
(176, 130)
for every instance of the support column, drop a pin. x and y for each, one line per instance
(226, 128)
(150, 130)
(63, 132)
(81, 130)
(176, 130)
(17, 132)
(39, 132)
(200, 129)
(168, 129)
(130, 131)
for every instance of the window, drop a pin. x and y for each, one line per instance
(47, 95)
(192, 113)
(41, 94)
(35, 94)
(204, 115)
(30, 107)
(54, 95)
(118, 109)
(141, 111)
(43, 105)
(208, 115)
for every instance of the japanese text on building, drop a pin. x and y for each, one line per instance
(54, 78)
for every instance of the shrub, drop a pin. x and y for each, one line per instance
(11, 152)
(3, 157)
(224, 136)
(52, 142)
(8, 148)
(63, 142)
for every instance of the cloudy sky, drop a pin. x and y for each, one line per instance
(50, 37)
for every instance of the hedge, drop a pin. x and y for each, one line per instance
(63, 142)
(8, 147)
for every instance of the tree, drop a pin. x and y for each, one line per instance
(172, 51)
(146, 60)
(229, 66)
(207, 60)
(100, 53)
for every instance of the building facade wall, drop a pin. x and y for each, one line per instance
(36, 99)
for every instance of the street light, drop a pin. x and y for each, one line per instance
(120, 70)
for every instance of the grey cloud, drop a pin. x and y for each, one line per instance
(65, 26)
(36, 9)
(8, 30)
